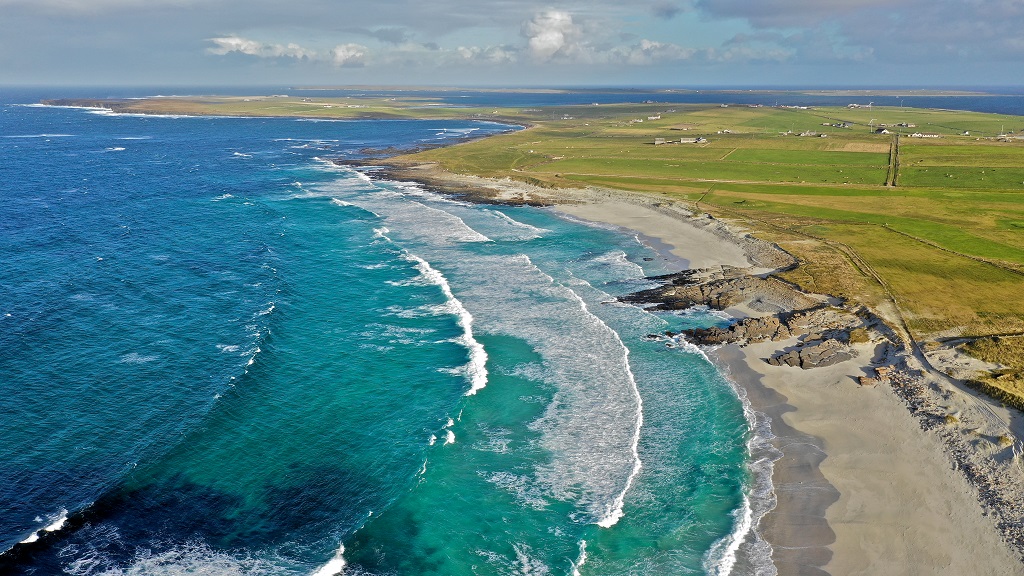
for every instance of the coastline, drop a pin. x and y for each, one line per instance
(859, 487)
(865, 481)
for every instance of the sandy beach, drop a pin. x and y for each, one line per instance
(860, 487)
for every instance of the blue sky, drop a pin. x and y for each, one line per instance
(514, 42)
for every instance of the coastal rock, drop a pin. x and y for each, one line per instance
(747, 330)
(722, 289)
(813, 355)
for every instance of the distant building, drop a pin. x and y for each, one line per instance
(882, 131)
(660, 141)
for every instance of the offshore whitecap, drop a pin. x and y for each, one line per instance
(226, 355)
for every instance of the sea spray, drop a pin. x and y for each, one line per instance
(476, 369)
(335, 566)
(759, 499)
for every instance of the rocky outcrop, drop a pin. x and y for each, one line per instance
(747, 330)
(813, 354)
(781, 313)
(821, 323)
(722, 289)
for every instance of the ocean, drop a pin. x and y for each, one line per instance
(222, 354)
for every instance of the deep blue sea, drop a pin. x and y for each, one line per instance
(222, 354)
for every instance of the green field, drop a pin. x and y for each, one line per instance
(945, 244)
(940, 253)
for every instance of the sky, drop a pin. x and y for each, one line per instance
(506, 43)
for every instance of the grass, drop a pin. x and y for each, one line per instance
(1007, 351)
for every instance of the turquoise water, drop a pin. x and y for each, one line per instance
(222, 354)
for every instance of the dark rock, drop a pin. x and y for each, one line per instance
(813, 355)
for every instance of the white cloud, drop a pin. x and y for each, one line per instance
(651, 52)
(342, 55)
(552, 33)
(349, 55)
(229, 44)
(490, 54)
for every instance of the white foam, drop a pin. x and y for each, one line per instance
(476, 368)
(136, 358)
(615, 512)
(591, 426)
(621, 259)
(116, 149)
(526, 491)
(521, 230)
(228, 348)
(433, 440)
(526, 565)
(252, 359)
(581, 560)
(758, 500)
(56, 523)
(401, 212)
(725, 549)
(40, 136)
(338, 202)
(681, 342)
(241, 155)
(334, 566)
(191, 559)
(223, 197)
(449, 437)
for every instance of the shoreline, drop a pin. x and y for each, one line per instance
(869, 480)
(860, 489)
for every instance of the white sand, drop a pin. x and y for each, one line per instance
(902, 509)
(700, 248)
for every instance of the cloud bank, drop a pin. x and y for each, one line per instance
(552, 40)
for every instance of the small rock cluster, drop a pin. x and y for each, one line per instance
(813, 354)
(720, 290)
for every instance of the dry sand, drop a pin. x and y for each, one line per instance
(861, 488)
(693, 246)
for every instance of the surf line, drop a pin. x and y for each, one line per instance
(614, 511)
(476, 369)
